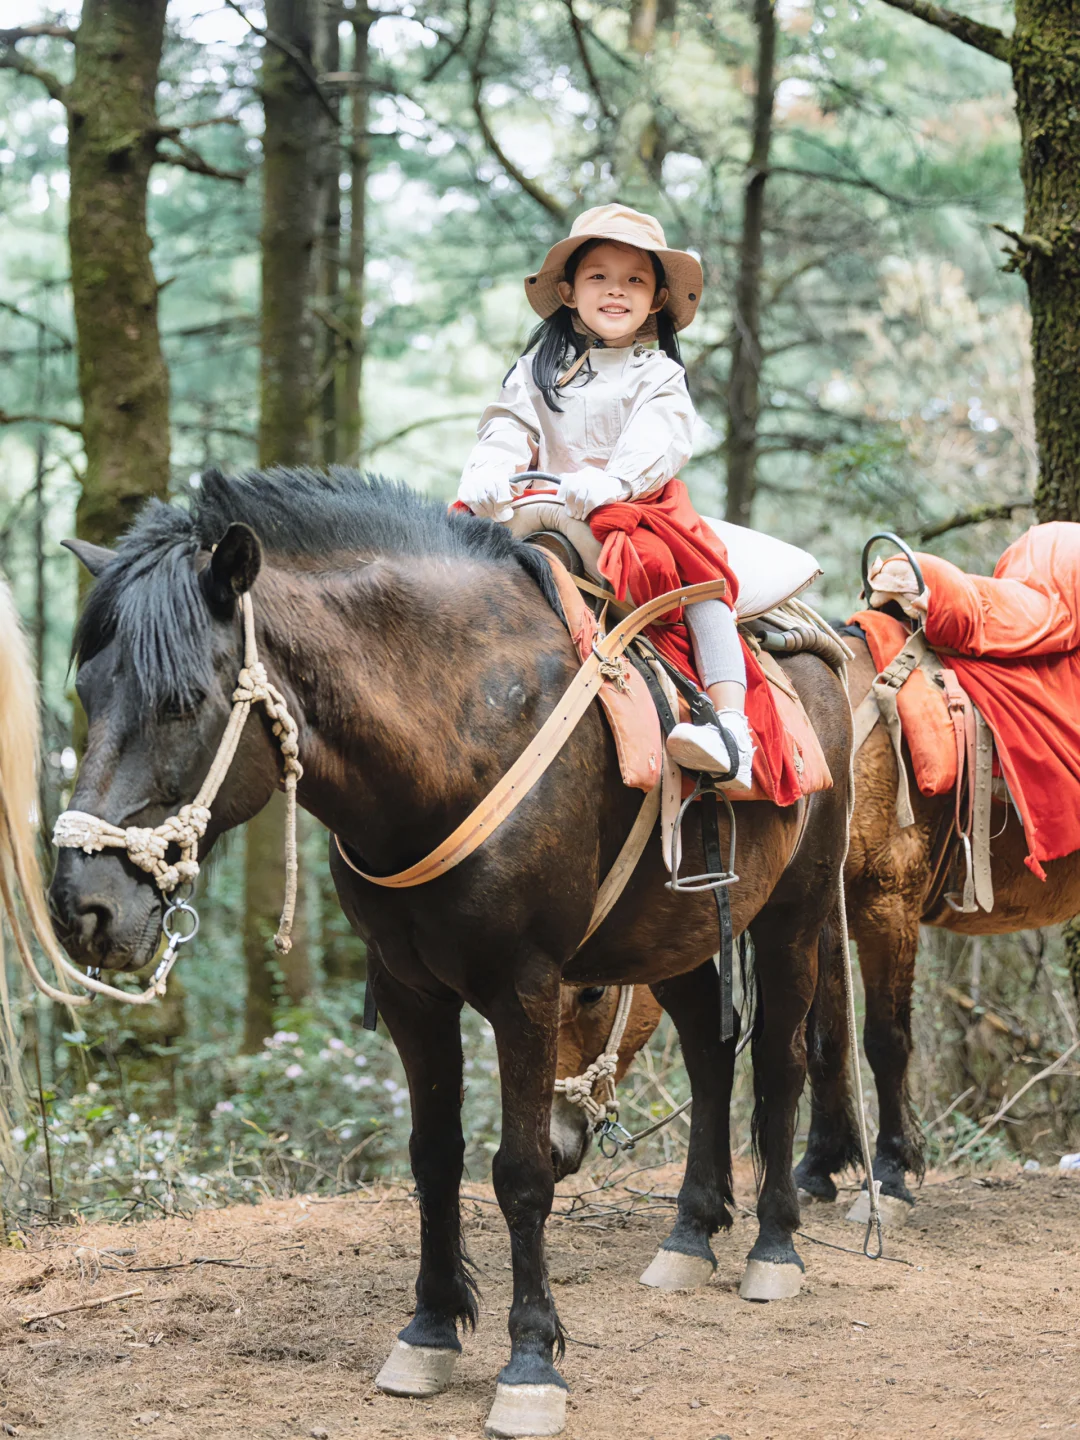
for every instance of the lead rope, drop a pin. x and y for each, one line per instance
(873, 1187)
(147, 847)
(578, 1089)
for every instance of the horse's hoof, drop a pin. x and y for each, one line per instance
(416, 1371)
(895, 1213)
(765, 1280)
(807, 1197)
(672, 1270)
(527, 1410)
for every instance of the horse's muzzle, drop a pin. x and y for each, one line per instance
(105, 917)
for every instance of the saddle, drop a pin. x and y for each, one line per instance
(771, 574)
(918, 697)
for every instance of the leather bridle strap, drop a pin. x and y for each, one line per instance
(519, 780)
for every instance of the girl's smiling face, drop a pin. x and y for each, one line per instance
(614, 291)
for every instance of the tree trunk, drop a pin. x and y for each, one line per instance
(744, 384)
(123, 382)
(291, 142)
(328, 59)
(290, 193)
(352, 405)
(1046, 74)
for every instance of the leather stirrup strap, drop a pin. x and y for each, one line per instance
(714, 864)
(961, 713)
(980, 830)
(885, 688)
(534, 761)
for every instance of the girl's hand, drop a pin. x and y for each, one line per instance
(584, 491)
(487, 494)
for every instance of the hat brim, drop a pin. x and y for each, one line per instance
(682, 271)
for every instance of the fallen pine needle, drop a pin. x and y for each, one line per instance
(82, 1305)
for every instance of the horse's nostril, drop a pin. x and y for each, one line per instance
(93, 920)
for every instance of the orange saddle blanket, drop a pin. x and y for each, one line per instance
(1013, 640)
(635, 724)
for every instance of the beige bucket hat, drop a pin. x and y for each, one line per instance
(628, 227)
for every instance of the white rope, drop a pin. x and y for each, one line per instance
(600, 1076)
(148, 847)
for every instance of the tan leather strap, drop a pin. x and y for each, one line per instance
(504, 799)
(980, 830)
(963, 722)
(625, 862)
(885, 688)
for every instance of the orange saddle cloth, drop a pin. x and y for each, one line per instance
(1013, 640)
(635, 725)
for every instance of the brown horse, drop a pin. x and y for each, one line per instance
(419, 653)
(895, 880)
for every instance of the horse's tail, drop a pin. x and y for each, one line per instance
(20, 746)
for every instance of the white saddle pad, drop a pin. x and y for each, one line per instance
(769, 571)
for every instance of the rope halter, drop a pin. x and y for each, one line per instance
(594, 1090)
(148, 848)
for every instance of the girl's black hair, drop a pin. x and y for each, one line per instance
(558, 344)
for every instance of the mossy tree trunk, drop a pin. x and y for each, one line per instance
(113, 135)
(351, 441)
(744, 381)
(290, 223)
(1046, 73)
(1044, 55)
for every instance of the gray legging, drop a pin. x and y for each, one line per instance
(717, 647)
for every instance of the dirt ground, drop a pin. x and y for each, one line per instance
(979, 1335)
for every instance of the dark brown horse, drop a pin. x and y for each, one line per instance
(419, 653)
(894, 881)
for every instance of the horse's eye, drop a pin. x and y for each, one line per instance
(592, 993)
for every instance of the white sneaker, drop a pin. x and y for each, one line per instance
(702, 747)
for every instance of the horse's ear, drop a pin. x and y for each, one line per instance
(233, 567)
(94, 557)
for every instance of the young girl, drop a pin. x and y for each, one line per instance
(590, 402)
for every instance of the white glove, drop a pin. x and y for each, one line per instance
(487, 493)
(895, 580)
(583, 491)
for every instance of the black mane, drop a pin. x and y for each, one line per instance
(148, 597)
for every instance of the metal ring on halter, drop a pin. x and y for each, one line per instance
(908, 553)
(616, 1135)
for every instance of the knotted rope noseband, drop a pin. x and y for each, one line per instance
(148, 847)
(600, 1075)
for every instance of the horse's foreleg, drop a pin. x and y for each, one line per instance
(530, 1398)
(685, 1259)
(787, 975)
(888, 937)
(427, 1033)
(833, 1141)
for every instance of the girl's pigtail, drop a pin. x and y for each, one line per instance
(665, 334)
(555, 340)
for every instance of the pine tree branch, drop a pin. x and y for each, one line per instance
(530, 187)
(974, 517)
(298, 58)
(972, 32)
(190, 159)
(580, 31)
(72, 425)
(12, 59)
(31, 32)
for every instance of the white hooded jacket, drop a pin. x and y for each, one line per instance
(632, 419)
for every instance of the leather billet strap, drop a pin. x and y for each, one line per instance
(961, 713)
(535, 760)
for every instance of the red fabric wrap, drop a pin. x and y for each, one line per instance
(656, 544)
(1019, 634)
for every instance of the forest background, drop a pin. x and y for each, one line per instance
(296, 232)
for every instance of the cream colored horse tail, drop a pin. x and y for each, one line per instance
(20, 746)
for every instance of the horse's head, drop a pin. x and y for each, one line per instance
(158, 648)
(588, 1013)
